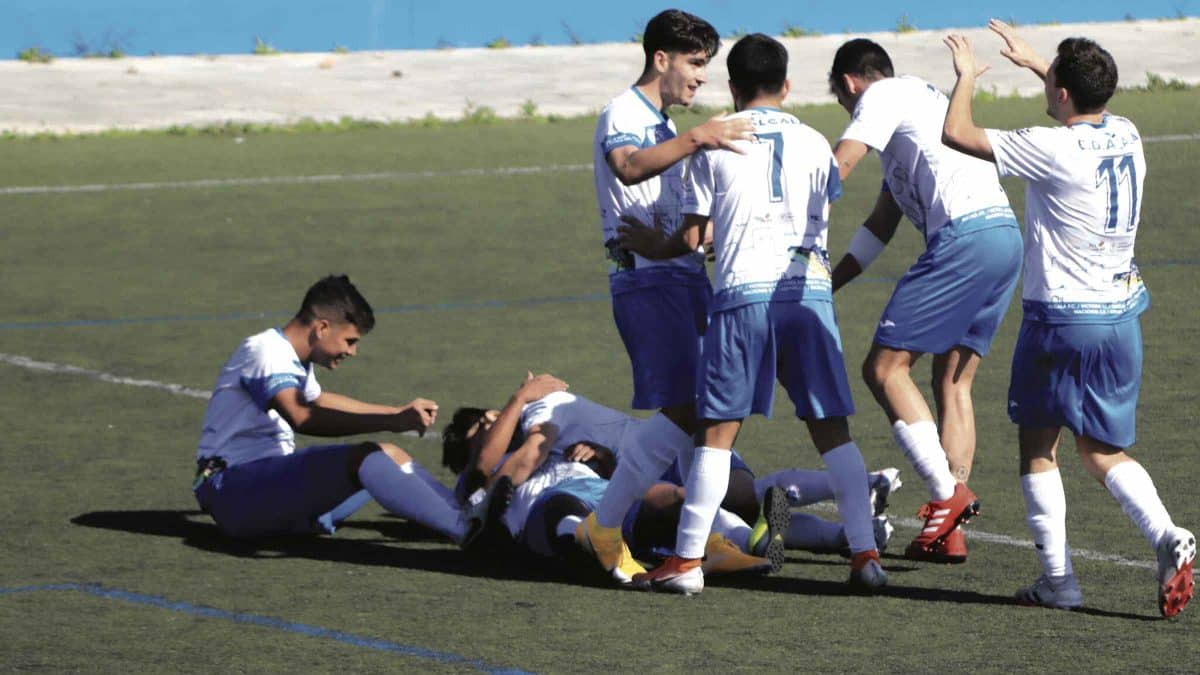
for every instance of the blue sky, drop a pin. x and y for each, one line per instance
(230, 26)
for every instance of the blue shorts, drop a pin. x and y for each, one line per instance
(574, 497)
(1085, 377)
(661, 327)
(279, 495)
(746, 348)
(956, 293)
(672, 476)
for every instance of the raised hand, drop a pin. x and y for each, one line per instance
(1017, 49)
(964, 56)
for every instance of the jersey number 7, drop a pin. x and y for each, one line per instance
(775, 163)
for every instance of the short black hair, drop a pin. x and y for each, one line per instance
(861, 57)
(757, 65)
(1087, 71)
(675, 31)
(335, 299)
(456, 449)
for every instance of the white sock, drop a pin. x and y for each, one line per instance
(649, 448)
(684, 459)
(1134, 491)
(705, 489)
(566, 526)
(813, 533)
(848, 474)
(733, 528)
(401, 491)
(329, 521)
(924, 451)
(802, 486)
(1046, 515)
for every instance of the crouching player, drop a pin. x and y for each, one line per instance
(1078, 359)
(772, 313)
(253, 480)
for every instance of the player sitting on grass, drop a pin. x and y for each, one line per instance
(253, 480)
(562, 449)
(772, 315)
(1078, 359)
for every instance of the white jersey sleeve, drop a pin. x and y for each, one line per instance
(875, 119)
(269, 370)
(1025, 153)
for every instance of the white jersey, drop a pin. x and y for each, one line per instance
(770, 211)
(902, 118)
(239, 425)
(554, 472)
(576, 419)
(631, 120)
(1082, 207)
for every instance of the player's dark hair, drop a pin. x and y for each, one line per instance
(1087, 71)
(455, 447)
(336, 299)
(675, 31)
(860, 57)
(757, 65)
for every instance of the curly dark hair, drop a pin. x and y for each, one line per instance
(455, 446)
(1087, 71)
(673, 30)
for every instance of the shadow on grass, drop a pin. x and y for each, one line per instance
(503, 562)
(500, 561)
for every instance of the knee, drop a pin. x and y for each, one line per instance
(361, 451)
(876, 371)
(398, 455)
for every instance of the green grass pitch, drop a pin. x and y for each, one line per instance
(479, 277)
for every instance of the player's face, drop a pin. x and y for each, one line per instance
(844, 97)
(684, 75)
(335, 342)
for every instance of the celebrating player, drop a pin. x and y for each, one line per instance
(659, 306)
(1078, 359)
(253, 480)
(772, 313)
(951, 301)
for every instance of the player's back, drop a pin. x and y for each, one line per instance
(1083, 209)
(576, 419)
(770, 210)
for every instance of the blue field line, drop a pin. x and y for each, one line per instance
(264, 621)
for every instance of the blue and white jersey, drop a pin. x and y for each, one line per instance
(1082, 206)
(901, 118)
(576, 419)
(554, 472)
(239, 424)
(769, 210)
(631, 120)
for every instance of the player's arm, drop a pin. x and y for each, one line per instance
(1018, 50)
(328, 399)
(314, 419)
(532, 454)
(869, 240)
(959, 130)
(848, 154)
(652, 244)
(632, 165)
(500, 435)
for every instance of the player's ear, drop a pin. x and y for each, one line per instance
(321, 327)
(662, 61)
(787, 88)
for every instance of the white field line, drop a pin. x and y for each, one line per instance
(294, 180)
(362, 177)
(178, 389)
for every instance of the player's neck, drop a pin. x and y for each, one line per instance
(296, 333)
(649, 86)
(763, 102)
(1096, 118)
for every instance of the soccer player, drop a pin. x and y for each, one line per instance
(1078, 359)
(659, 306)
(772, 313)
(253, 480)
(950, 302)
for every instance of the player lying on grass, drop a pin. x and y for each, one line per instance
(561, 449)
(253, 480)
(950, 302)
(1078, 358)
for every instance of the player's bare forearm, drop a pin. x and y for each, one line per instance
(881, 225)
(652, 244)
(846, 271)
(848, 154)
(959, 130)
(634, 166)
(528, 458)
(498, 438)
(328, 399)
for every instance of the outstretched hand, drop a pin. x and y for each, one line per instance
(722, 132)
(1015, 48)
(964, 56)
(417, 416)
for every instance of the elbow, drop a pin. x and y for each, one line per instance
(627, 178)
(950, 139)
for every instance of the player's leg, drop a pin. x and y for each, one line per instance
(405, 488)
(953, 376)
(1046, 517)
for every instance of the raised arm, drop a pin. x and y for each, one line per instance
(530, 456)
(1018, 50)
(315, 419)
(959, 130)
(499, 437)
(869, 240)
(632, 165)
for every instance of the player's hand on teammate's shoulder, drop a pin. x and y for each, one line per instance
(418, 416)
(539, 386)
(722, 132)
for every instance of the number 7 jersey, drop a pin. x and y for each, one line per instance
(1082, 208)
(770, 211)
